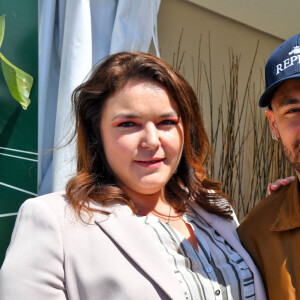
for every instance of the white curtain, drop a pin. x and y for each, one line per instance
(73, 36)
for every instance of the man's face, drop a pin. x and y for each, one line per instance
(284, 120)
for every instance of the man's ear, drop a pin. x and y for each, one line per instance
(273, 126)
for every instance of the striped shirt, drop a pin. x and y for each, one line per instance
(215, 271)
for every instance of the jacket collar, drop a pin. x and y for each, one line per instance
(227, 229)
(222, 226)
(289, 214)
(126, 231)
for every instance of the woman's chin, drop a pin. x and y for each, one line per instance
(148, 188)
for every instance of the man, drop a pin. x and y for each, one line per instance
(271, 231)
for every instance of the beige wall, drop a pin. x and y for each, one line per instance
(177, 14)
(276, 17)
(224, 34)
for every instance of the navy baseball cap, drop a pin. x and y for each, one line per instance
(283, 64)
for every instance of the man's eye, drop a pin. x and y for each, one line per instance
(126, 124)
(168, 122)
(293, 110)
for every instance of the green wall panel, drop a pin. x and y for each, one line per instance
(6, 227)
(18, 128)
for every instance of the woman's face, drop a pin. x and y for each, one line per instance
(142, 136)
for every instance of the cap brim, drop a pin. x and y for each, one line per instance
(266, 97)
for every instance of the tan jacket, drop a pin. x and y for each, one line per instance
(271, 234)
(54, 256)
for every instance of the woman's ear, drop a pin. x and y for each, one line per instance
(273, 126)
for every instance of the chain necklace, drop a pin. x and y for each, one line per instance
(169, 217)
(164, 217)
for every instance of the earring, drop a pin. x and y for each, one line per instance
(274, 136)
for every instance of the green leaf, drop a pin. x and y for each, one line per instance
(2, 28)
(18, 82)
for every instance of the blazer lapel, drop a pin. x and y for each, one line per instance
(125, 230)
(227, 229)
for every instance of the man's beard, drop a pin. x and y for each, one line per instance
(293, 155)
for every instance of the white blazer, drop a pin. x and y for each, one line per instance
(53, 255)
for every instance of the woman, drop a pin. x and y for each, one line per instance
(140, 220)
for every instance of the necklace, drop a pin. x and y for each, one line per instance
(164, 218)
(169, 217)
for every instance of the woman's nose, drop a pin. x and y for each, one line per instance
(150, 138)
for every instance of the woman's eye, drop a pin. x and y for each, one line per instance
(126, 124)
(168, 122)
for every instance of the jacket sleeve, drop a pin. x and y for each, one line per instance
(33, 267)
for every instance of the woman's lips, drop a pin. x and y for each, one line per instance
(154, 163)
